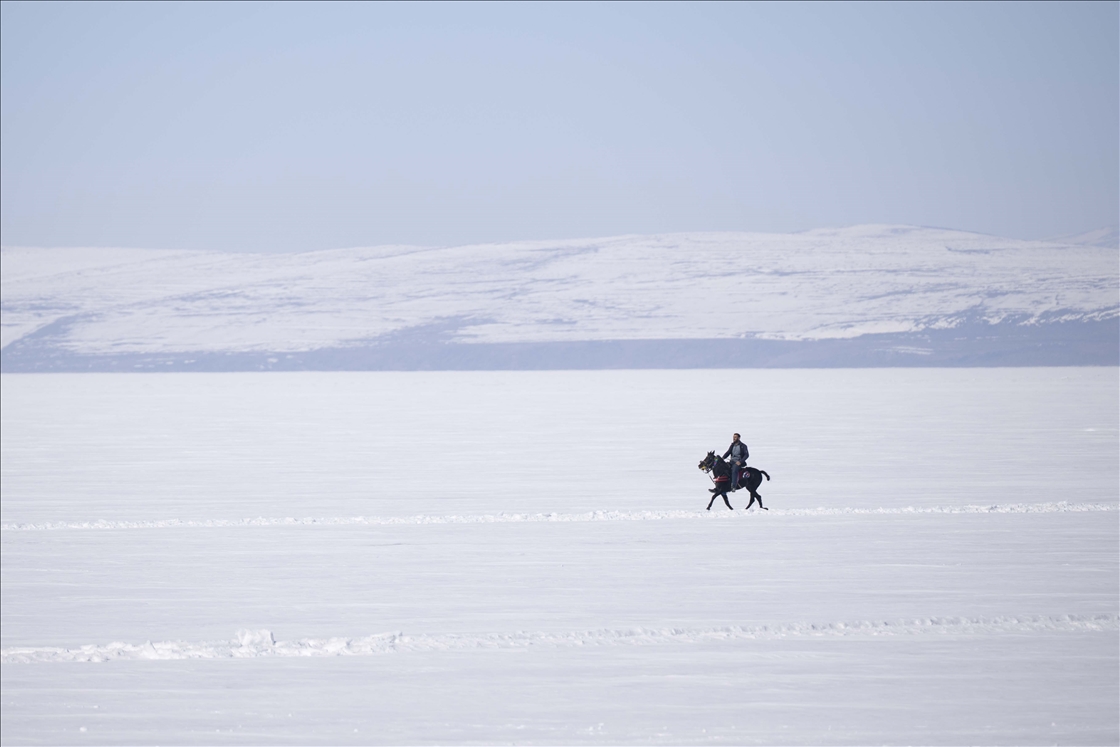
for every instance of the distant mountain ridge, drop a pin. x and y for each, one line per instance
(1106, 238)
(859, 296)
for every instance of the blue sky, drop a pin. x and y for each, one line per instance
(280, 127)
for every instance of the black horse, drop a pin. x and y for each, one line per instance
(749, 478)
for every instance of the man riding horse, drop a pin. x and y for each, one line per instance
(739, 454)
(750, 478)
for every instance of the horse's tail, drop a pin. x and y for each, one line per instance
(763, 472)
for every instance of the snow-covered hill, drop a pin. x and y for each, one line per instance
(866, 295)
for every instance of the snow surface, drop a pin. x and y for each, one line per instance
(818, 285)
(523, 557)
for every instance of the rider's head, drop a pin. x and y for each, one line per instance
(734, 436)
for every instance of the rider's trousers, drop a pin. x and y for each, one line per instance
(736, 468)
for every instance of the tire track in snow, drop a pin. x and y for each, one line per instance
(261, 643)
(513, 518)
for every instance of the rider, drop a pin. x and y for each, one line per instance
(738, 453)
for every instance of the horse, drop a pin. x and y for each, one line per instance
(749, 478)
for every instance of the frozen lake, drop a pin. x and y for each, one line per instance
(523, 557)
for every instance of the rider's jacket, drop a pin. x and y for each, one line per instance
(737, 450)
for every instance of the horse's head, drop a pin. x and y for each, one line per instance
(707, 462)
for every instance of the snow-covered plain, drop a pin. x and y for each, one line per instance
(523, 557)
(914, 295)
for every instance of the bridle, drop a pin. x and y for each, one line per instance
(707, 466)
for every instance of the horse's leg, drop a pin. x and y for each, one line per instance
(727, 502)
(751, 503)
(759, 496)
(711, 501)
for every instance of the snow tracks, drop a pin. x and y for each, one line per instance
(513, 518)
(260, 643)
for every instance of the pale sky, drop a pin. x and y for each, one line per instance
(280, 127)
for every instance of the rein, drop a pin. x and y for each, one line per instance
(711, 470)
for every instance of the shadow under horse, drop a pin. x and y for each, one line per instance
(749, 478)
